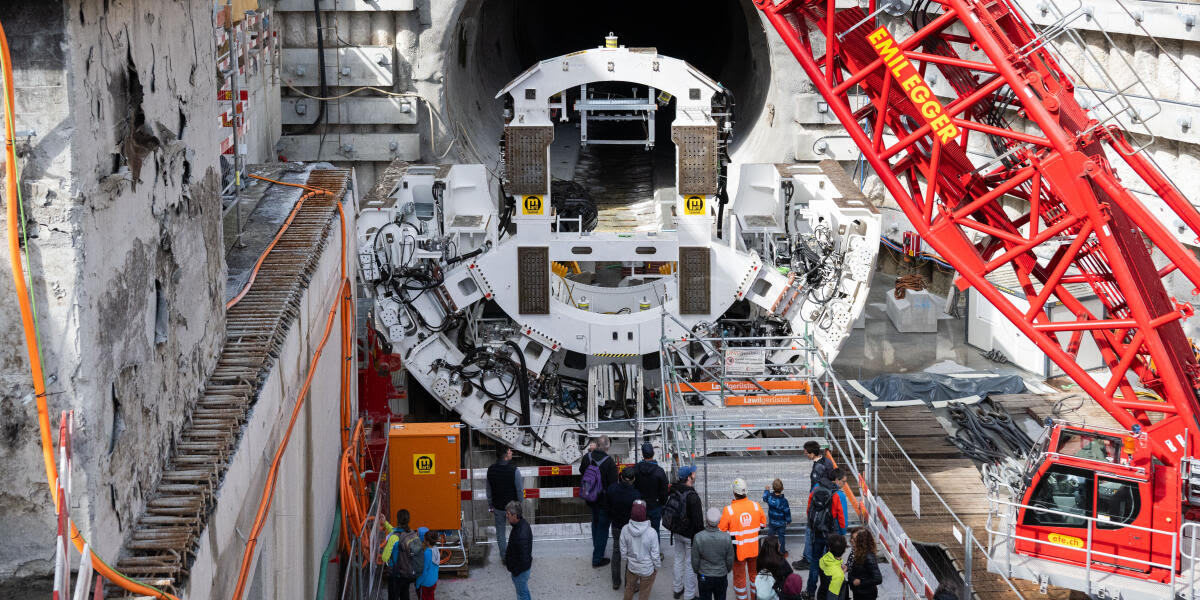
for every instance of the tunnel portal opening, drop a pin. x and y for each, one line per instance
(496, 40)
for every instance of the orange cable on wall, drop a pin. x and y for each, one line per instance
(31, 344)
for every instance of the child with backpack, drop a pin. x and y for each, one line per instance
(427, 582)
(826, 516)
(402, 556)
(832, 580)
(779, 513)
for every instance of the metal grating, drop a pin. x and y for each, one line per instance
(533, 280)
(695, 270)
(526, 170)
(697, 165)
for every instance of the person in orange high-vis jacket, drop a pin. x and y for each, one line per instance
(743, 519)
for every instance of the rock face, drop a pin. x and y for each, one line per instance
(121, 200)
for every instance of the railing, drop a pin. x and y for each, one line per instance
(1006, 534)
(364, 573)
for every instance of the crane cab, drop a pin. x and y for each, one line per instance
(1096, 499)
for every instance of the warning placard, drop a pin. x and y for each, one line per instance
(745, 362)
(693, 205)
(423, 464)
(533, 205)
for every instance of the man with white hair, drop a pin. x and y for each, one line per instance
(519, 558)
(712, 557)
(592, 490)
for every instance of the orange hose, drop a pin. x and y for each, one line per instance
(31, 347)
(258, 264)
(353, 511)
(268, 494)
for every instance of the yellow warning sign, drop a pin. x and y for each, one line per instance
(423, 464)
(533, 205)
(693, 206)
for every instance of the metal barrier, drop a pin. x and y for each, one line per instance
(1006, 535)
(364, 572)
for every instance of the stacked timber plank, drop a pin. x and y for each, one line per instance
(164, 540)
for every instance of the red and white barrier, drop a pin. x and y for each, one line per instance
(540, 492)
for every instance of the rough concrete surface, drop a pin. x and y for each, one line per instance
(120, 187)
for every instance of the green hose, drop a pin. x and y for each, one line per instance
(330, 549)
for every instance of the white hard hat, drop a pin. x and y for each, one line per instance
(739, 486)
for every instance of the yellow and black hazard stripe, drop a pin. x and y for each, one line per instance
(617, 354)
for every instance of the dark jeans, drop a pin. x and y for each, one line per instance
(814, 570)
(398, 587)
(616, 555)
(600, 523)
(655, 516)
(781, 533)
(712, 588)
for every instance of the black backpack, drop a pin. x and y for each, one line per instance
(675, 513)
(820, 511)
(406, 561)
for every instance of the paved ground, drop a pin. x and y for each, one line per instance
(562, 569)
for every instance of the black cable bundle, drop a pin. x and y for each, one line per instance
(987, 436)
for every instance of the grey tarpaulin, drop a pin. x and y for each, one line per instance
(930, 387)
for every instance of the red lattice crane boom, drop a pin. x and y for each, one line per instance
(1050, 192)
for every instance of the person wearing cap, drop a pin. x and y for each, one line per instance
(639, 545)
(712, 558)
(427, 582)
(683, 576)
(652, 483)
(619, 499)
(742, 520)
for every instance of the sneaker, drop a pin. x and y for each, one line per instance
(603, 561)
(801, 565)
(677, 595)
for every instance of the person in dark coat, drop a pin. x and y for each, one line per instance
(822, 470)
(863, 567)
(683, 576)
(618, 499)
(519, 558)
(652, 483)
(503, 486)
(597, 454)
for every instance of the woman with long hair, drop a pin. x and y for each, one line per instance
(862, 568)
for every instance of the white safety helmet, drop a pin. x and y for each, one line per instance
(739, 486)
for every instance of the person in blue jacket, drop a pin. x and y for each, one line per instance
(779, 513)
(427, 582)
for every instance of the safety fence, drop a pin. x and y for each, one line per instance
(62, 543)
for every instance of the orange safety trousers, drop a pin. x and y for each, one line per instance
(744, 572)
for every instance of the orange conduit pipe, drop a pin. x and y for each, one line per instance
(31, 344)
(346, 305)
(268, 494)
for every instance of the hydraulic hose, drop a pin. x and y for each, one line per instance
(330, 548)
(31, 343)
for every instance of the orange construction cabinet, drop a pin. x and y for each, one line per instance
(423, 463)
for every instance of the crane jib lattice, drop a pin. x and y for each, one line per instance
(1051, 165)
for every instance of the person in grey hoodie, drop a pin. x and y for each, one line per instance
(712, 557)
(639, 546)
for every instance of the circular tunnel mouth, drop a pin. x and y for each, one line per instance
(496, 40)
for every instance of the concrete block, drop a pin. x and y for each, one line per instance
(347, 5)
(349, 67)
(353, 146)
(352, 111)
(916, 312)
